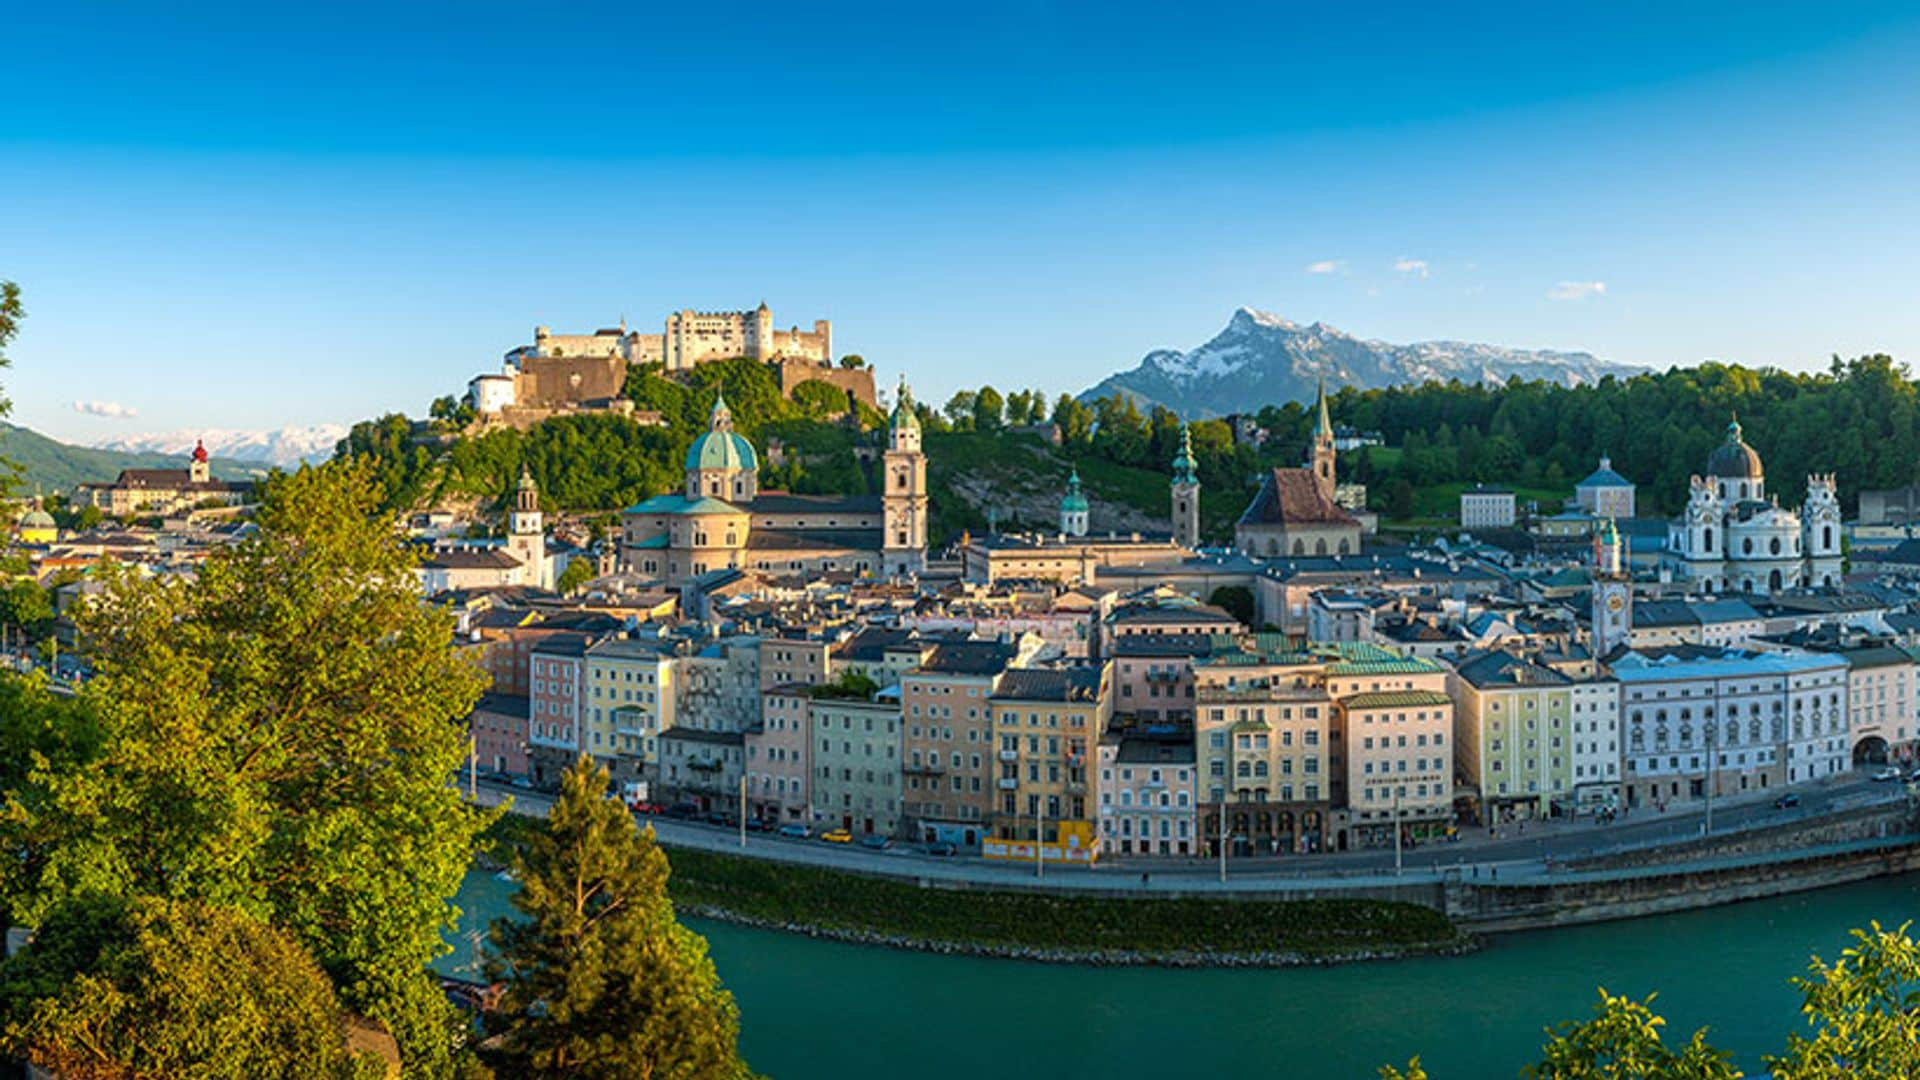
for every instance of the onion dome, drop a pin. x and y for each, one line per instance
(1074, 501)
(199, 451)
(1733, 458)
(904, 417)
(1185, 470)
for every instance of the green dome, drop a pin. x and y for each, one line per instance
(1073, 502)
(36, 519)
(721, 450)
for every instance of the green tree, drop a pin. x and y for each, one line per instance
(1622, 1042)
(579, 571)
(11, 312)
(278, 733)
(960, 409)
(1400, 499)
(1237, 600)
(989, 409)
(118, 990)
(852, 361)
(1865, 1011)
(602, 980)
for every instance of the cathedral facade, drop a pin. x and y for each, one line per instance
(1733, 536)
(721, 519)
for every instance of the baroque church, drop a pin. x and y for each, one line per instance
(1733, 536)
(1294, 512)
(722, 520)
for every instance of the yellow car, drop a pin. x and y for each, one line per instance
(837, 836)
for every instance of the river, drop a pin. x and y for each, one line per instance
(821, 1009)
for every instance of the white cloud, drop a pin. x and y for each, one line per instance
(1416, 267)
(1325, 266)
(110, 409)
(1577, 290)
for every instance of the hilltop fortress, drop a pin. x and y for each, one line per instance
(588, 372)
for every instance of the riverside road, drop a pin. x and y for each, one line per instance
(1517, 853)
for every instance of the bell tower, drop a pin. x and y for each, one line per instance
(1612, 594)
(904, 491)
(1185, 494)
(526, 535)
(1321, 457)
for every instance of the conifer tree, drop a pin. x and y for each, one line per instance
(602, 980)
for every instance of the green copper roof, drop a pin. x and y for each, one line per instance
(1073, 502)
(1396, 699)
(904, 418)
(1184, 469)
(720, 447)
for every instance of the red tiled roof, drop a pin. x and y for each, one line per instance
(1293, 497)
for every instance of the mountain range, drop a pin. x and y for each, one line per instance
(50, 465)
(286, 447)
(1263, 359)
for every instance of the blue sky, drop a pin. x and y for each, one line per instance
(247, 217)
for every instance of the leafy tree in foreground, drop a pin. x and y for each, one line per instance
(1622, 1042)
(1865, 1010)
(111, 990)
(277, 736)
(603, 981)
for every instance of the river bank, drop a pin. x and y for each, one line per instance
(1041, 927)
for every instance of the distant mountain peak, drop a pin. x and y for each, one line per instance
(1261, 358)
(286, 447)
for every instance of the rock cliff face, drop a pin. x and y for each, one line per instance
(1263, 359)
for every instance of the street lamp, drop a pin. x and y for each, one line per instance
(1396, 830)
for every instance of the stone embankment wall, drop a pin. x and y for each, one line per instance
(1623, 894)
(1880, 822)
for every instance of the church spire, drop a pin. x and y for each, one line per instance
(1324, 429)
(1184, 468)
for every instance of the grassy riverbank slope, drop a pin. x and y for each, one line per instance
(1043, 926)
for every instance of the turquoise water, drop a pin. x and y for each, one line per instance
(821, 1009)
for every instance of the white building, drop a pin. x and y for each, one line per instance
(1596, 743)
(1741, 721)
(1483, 507)
(1733, 537)
(1148, 804)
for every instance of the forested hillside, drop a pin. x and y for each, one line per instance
(985, 453)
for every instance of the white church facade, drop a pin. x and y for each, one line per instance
(1734, 537)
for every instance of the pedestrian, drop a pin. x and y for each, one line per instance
(1495, 871)
(1144, 878)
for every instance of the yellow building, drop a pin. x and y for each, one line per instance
(630, 695)
(1046, 722)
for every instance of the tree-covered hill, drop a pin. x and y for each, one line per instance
(51, 465)
(985, 451)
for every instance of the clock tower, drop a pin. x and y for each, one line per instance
(1612, 595)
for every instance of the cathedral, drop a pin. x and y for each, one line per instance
(722, 520)
(1733, 536)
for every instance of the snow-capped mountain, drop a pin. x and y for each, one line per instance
(1262, 359)
(285, 447)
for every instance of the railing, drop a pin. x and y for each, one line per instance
(1009, 784)
(1009, 755)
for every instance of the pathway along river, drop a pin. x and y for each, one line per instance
(820, 1009)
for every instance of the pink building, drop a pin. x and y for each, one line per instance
(498, 727)
(556, 687)
(777, 756)
(1153, 675)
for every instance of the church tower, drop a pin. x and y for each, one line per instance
(526, 536)
(198, 470)
(1074, 509)
(1186, 494)
(1321, 456)
(1612, 594)
(904, 497)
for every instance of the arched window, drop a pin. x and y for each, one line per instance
(1776, 545)
(1320, 546)
(1707, 538)
(1299, 547)
(1826, 538)
(1746, 546)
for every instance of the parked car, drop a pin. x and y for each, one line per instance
(796, 831)
(648, 809)
(837, 836)
(759, 824)
(875, 842)
(1786, 801)
(684, 810)
(717, 817)
(942, 849)
(1887, 774)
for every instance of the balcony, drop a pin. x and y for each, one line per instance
(705, 764)
(1076, 787)
(1165, 676)
(1009, 784)
(931, 768)
(1009, 755)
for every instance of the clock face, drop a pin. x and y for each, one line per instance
(1615, 602)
